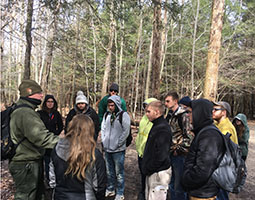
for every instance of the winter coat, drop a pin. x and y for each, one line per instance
(114, 134)
(180, 127)
(26, 122)
(244, 140)
(143, 132)
(52, 119)
(89, 111)
(68, 187)
(204, 154)
(102, 108)
(225, 126)
(157, 150)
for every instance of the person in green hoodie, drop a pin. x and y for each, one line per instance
(243, 133)
(141, 139)
(26, 167)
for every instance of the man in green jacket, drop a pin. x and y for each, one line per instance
(102, 108)
(26, 167)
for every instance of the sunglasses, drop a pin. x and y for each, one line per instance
(216, 109)
(114, 91)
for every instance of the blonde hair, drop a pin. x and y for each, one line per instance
(80, 133)
(157, 105)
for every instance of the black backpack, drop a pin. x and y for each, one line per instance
(129, 138)
(8, 148)
(231, 173)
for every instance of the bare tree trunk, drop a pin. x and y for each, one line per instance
(28, 31)
(135, 80)
(52, 28)
(193, 49)
(164, 44)
(156, 49)
(109, 54)
(95, 57)
(121, 51)
(148, 77)
(116, 57)
(211, 77)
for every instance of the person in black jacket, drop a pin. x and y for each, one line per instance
(156, 160)
(82, 106)
(204, 155)
(53, 122)
(77, 169)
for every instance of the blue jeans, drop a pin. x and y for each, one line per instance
(115, 171)
(222, 195)
(177, 192)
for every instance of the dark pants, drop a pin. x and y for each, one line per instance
(177, 192)
(28, 179)
(143, 177)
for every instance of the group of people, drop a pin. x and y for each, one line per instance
(192, 159)
(170, 157)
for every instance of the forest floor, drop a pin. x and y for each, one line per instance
(132, 183)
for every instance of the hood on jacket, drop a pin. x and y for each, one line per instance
(147, 101)
(49, 96)
(117, 101)
(201, 114)
(63, 148)
(242, 118)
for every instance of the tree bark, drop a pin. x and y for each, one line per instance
(148, 77)
(212, 68)
(156, 49)
(194, 48)
(52, 28)
(109, 55)
(27, 71)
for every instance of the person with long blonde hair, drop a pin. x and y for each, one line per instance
(77, 169)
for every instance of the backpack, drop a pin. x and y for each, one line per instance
(129, 138)
(231, 173)
(8, 148)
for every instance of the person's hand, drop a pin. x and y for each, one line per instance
(62, 134)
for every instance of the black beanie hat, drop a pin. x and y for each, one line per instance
(114, 87)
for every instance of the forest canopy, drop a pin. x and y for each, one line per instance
(87, 45)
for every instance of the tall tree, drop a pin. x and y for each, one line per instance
(109, 53)
(156, 49)
(28, 31)
(212, 68)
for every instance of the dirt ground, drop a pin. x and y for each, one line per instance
(132, 183)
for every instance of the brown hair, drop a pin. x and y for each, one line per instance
(239, 128)
(80, 133)
(157, 105)
(173, 94)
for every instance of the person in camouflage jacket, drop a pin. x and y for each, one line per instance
(181, 141)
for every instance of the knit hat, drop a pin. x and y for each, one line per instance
(114, 87)
(185, 101)
(224, 105)
(81, 98)
(28, 88)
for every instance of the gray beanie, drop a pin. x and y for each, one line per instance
(81, 98)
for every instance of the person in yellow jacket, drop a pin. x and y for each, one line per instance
(141, 139)
(221, 112)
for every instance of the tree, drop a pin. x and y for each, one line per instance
(212, 68)
(27, 71)
(156, 49)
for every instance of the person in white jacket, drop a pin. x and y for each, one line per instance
(114, 132)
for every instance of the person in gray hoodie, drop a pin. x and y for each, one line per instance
(114, 135)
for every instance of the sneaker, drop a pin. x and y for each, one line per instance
(119, 197)
(109, 193)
